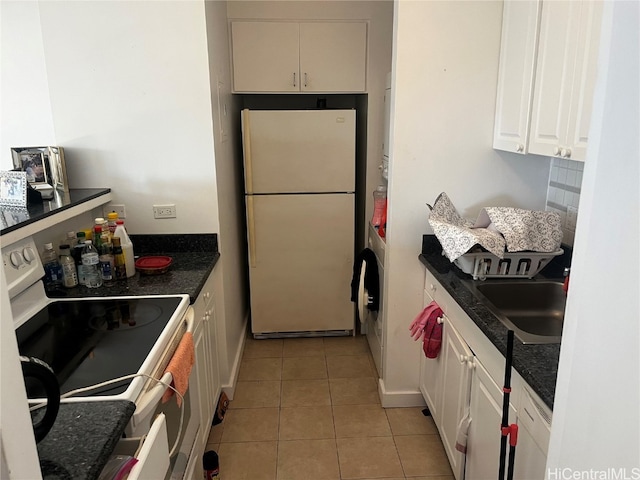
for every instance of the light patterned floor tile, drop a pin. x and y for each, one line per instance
(346, 345)
(368, 458)
(260, 369)
(303, 347)
(410, 421)
(422, 455)
(350, 366)
(303, 423)
(360, 421)
(305, 393)
(354, 391)
(248, 460)
(304, 368)
(256, 395)
(271, 347)
(308, 459)
(251, 425)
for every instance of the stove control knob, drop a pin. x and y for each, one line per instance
(28, 254)
(16, 259)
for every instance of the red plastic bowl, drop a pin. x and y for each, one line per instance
(153, 265)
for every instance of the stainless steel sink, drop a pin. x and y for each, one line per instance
(533, 309)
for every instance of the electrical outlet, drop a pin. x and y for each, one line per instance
(572, 218)
(119, 209)
(164, 211)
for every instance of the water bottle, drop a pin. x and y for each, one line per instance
(52, 268)
(91, 265)
(107, 263)
(76, 253)
(69, 272)
(127, 248)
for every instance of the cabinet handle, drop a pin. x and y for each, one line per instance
(556, 151)
(294, 79)
(305, 79)
(432, 287)
(520, 148)
(566, 152)
(466, 358)
(251, 232)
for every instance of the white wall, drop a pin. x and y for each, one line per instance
(444, 89)
(596, 416)
(128, 93)
(230, 294)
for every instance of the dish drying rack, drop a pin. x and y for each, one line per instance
(483, 265)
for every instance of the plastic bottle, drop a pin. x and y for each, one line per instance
(69, 271)
(97, 236)
(112, 218)
(91, 264)
(120, 266)
(52, 267)
(107, 263)
(210, 465)
(127, 248)
(379, 205)
(69, 240)
(76, 253)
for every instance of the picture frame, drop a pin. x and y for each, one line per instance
(13, 189)
(43, 165)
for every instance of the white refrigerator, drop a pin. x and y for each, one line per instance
(299, 185)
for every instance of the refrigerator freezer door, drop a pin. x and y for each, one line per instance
(299, 151)
(301, 262)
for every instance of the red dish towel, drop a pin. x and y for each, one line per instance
(432, 340)
(180, 368)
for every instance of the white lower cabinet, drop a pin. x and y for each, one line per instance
(457, 362)
(207, 373)
(483, 443)
(467, 378)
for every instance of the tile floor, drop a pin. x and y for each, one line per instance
(308, 408)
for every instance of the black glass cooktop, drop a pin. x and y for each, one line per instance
(90, 341)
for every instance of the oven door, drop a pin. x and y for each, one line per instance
(181, 422)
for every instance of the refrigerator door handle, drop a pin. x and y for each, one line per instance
(251, 232)
(246, 133)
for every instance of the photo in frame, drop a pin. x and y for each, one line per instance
(13, 189)
(43, 165)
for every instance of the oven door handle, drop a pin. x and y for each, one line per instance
(148, 402)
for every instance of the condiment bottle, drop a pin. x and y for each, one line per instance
(127, 248)
(120, 268)
(91, 264)
(379, 205)
(76, 253)
(69, 271)
(112, 218)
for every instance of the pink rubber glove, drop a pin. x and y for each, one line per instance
(417, 327)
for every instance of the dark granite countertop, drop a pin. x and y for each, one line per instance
(537, 364)
(85, 433)
(82, 439)
(193, 258)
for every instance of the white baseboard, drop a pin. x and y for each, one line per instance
(402, 398)
(230, 388)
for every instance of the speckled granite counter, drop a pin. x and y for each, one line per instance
(537, 364)
(82, 439)
(85, 433)
(194, 257)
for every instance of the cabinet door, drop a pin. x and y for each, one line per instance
(554, 73)
(483, 442)
(265, 56)
(457, 362)
(431, 376)
(333, 56)
(518, 48)
(584, 80)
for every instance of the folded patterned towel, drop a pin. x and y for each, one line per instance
(497, 229)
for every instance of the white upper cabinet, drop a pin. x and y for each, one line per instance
(547, 74)
(565, 78)
(520, 21)
(299, 56)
